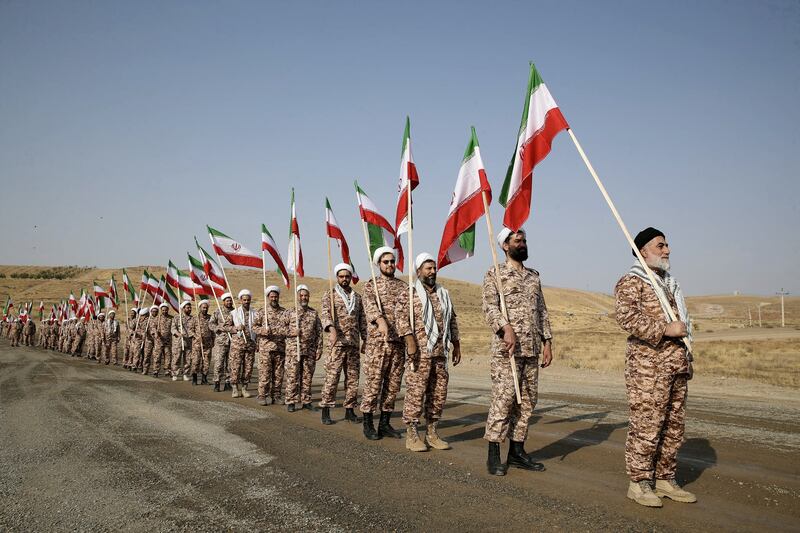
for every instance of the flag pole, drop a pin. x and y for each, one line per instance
(330, 270)
(264, 276)
(499, 282)
(656, 287)
(294, 274)
(371, 267)
(125, 296)
(214, 294)
(410, 267)
(228, 283)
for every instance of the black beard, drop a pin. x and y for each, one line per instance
(518, 254)
(430, 281)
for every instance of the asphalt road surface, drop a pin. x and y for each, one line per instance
(90, 447)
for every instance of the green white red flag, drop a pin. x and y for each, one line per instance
(295, 253)
(183, 281)
(379, 231)
(171, 297)
(41, 310)
(335, 232)
(198, 275)
(99, 292)
(541, 122)
(232, 250)
(466, 207)
(408, 178)
(269, 245)
(211, 268)
(73, 303)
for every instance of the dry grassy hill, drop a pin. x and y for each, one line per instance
(586, 335)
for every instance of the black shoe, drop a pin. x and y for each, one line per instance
(493, 464)
(385, 429)
(204, 380)
(216, 386)
(350, 414)
(227, 386)
(369, 428)
(194, 379)
(519, 459)
(290, 408)
(309, 407)
(326, 416)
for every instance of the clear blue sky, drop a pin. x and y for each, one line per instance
(125, 127)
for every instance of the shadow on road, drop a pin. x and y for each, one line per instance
(581, 438)
(694, 458)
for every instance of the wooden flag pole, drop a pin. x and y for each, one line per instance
(371, 266)
(125, 296)
(214, 294)
(330, 277)
(264, 276)
(503, 308)
(294, 275)
(410, 268)
(650, 275)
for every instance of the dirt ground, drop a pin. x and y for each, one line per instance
(90, 447)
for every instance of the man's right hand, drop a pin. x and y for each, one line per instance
(383, 327)
(509, 338)
(675, 329)
(332, 336)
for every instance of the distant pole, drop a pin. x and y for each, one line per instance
(782, 293)
(749, 316)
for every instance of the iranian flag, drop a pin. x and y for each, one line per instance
(157, 287)
(41, 309)
(198, 275)
(126, 282)
(80, 309)
(8, 306)
(182, 281)
(234, 251)
(541, 122)
(99, 292)
(379, 231)
(466, 207)
(145, 279)
(73, 303)
(408, 178)
(171, 298)
(295, 253)
(112, 293)
(153, 287)
(211, 268)
(335, 232)
(268, 245)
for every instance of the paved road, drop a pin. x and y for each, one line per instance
(89, 447)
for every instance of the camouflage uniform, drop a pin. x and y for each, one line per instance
(271, 351)
(130, 340)
(656, 372)
(150, 358)
(78, 336)
(99, 340)
(384, 360)
(531, 323)
(351, 329)
(300, 366)
(162, 348)
(140, 341)
(28, 332)
(429, 382)
(202, 344)
(16, 333)
(181, 328)
(222, 345)
(243, 345)
(111, 348)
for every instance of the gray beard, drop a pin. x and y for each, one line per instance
(660, 264)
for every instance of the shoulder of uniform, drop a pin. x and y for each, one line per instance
(532, 270)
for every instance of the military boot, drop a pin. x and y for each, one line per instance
(385, 429)
(433, 439)
(369, 428)
(326, 416)
(186, 377)
(204, 379)
(216, 386)
(194, 379)
(493, 464)
(227, 386)
(245, 392)
(671, 489)
(235, 393)
(261, 400)
(350, 414)
(642, 493)
(290, 407)
(519, 459)
(413, 442)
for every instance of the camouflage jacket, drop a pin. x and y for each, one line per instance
(216, 322)
(181, 323)
(527, 312)
(273, 330)
(392, 292)
(201, 330)
(419, 325)
(350, 327)
(310, 333)
(112, 330)
(639, 313)
(164, 327)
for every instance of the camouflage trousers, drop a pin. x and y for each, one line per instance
(201, 357)
(299, 373)
(98, 347)
(341, 358)
(219, 361)
(109, 353)
(151, 357)
(383, 372)
(181, 356)
(657, 416)
(15, 338)
(506, 417)
(270, 375)
(241, 357)
(428, 383)
(26, 340)
(77, 346)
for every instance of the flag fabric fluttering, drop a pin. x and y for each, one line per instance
(182, 281)
(541, 122)
(73, 303)
(211, 268)
(379, 231)
(466, 207)
(295, 253)
(269, 245)
(234, 251)
(41, 310)
(171, 297)
(112, 293)
(199, 276)
(335, 232)
(408, 178)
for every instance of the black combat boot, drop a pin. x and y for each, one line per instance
(369, 428)
(194, 379)
(227, 386)
(519, 459)
(205, 380)
(309, 407)
(216, 386)
(326, 416)
(385, 429)
(350, 414)
(493, 464)
(290, 408)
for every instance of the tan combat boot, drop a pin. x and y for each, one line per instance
(643, 494)
(433, 439)
(245, 393)
(235, 393)
(413, 442)
(670, 489)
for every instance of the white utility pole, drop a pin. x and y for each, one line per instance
(782, 293)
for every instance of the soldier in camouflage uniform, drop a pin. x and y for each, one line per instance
(112, 334)
(16, 332)
(78, 337)
(388, 339)
(435, 327)
(99, 336)
(128, 349)
(271, 326)
(150, 337)
(137, 342)
(28, 332)
(181, 329)
(162, 346)
(89, 341)
(202, 344)
(240, 324)
(523, 332)
(657, 367)
(346, 325)
(305, 325)
(222, 343)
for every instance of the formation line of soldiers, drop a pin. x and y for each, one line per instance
(375, 330)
